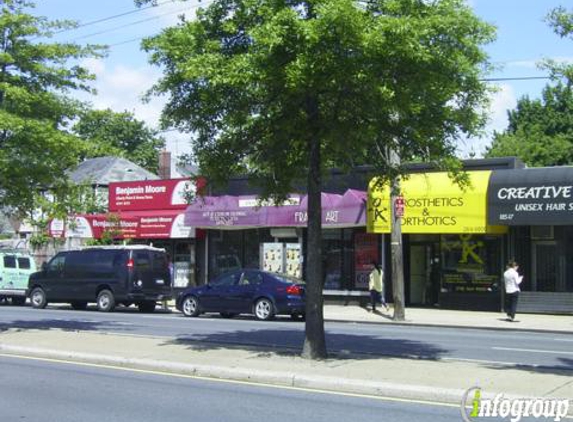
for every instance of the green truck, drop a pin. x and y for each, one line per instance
(15, 268)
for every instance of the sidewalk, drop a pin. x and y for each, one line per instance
(448, 318)
(429, 380)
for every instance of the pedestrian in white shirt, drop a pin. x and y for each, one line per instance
(512, 281)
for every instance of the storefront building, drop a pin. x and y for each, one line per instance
(244, 232)
(536, 205)
(452, 256)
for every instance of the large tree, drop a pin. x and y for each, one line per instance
(281, 90)
(36, 77)
(540, 131)
(106, 132)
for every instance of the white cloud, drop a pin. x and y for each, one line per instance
(121, 88)
(501, 101)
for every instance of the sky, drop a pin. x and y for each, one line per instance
(523, 40)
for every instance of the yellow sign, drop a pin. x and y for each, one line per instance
(433, 203)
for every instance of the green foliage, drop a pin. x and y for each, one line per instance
(540, 131)
(35, 77)
(257, 81)
(106, 132)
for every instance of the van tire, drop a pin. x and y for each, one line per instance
(38, 298)
(105, 301)
(147, 307)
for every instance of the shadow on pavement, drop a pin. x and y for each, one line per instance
(564, 368)
(289, 342)
(55, 324)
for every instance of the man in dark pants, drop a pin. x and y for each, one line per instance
(512, 281)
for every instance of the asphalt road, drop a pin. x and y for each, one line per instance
(501, 347)
(36, 390)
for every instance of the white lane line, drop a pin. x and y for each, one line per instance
(512, 349)
(563, 339)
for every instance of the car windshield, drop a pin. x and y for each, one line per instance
(288, 279)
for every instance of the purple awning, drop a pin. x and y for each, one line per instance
(348, 210)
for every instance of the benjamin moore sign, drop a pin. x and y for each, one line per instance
(537, 196)
(433, 203)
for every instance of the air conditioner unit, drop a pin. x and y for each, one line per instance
(542, 232)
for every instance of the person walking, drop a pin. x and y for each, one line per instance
(512, 281)
(376, 286)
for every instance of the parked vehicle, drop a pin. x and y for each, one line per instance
(15, 268)
(106, 275)
(246, 291)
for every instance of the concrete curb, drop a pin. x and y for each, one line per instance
(469, 327)
(275, 378)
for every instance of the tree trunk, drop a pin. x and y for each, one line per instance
(396, 249)
(314, 341)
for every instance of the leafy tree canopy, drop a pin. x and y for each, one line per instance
(106, 132)
(254, 80)
(35, 110)
(540, 131)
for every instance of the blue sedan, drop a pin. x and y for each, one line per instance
(247, 291)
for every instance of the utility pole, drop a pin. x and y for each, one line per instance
(396, 244)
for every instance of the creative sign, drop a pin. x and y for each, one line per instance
(531, 197)
(433, 203)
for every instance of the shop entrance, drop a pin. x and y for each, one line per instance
(424, 276)
(420, 256)
(546, 271)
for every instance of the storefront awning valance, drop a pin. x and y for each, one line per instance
(236, 212)
(433, 203)
(533, 196)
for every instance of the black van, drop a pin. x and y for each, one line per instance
(107, 275)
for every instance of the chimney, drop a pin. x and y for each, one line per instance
(164, 165)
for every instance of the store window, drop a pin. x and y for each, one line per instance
(470, 263)
(332, 258)
(234, 249)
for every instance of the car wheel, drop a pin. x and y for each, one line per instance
(227, 314)
(264, 309)
(146, 307)
(19, 301)
(105, 301)
(190, 306)
(79, 305)
(297, 317)
(38, 298)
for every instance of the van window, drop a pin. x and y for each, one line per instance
(24, 263)
(159, 261)
(9, 261)
(142, 261)
(57, 263)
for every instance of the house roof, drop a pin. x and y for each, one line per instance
(104, 170)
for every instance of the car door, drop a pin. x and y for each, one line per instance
(216, 295)
(53, 281)
(242, 295)
(26, 266)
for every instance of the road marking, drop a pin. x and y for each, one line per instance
(511, 349)
(226, 381)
